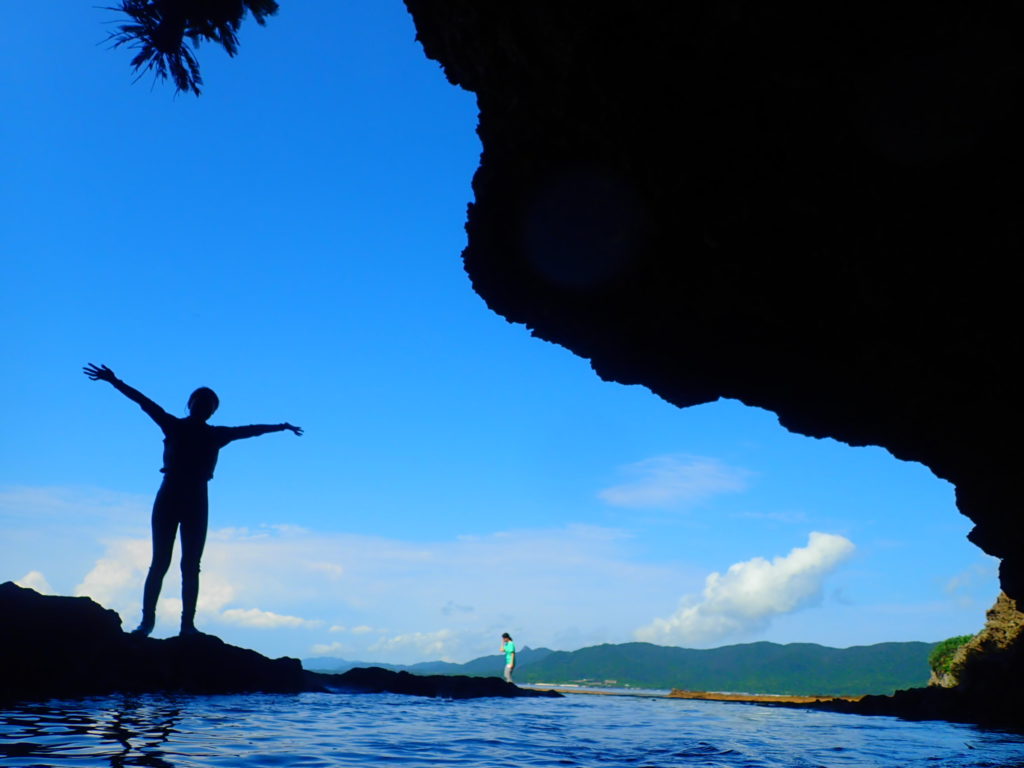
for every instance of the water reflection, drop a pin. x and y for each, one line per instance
(122, 731)
(313, 730)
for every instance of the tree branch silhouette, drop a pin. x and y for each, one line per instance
(167, 32)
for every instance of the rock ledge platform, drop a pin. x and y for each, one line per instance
(65, 647)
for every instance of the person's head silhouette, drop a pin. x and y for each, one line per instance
(202, 403)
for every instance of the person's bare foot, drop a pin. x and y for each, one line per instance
(189, 630)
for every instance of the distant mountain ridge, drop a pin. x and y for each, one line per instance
(793, 668)
(481, 667)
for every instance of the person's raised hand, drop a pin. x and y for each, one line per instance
(98, 372)
(296, 430)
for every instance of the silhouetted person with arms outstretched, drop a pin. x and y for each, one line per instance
(190, 455)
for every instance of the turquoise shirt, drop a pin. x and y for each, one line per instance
(509, 648)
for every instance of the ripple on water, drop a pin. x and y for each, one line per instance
(367, 730)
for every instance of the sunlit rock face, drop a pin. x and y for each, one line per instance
(995, 657)
(813, 208)
(982, 686)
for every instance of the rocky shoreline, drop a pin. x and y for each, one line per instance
(377, 680)
(70, 646)
(982, 685)
(756, 698)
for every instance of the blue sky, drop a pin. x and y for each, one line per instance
(292, 240)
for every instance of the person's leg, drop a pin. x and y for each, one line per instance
(508, 673)
(193, 540)
(164, 524)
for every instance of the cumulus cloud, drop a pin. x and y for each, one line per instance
(430, 645)
(974, 584)
(254, 617)
(35, 580)
(405, 599)
(674, 480)
(121, 569)
(452, 607)
(558, 587)
(327, 649)
(57, 531)
(333, 570)
(115, 581)
(750, 594)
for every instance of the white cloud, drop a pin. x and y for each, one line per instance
(750, 594)
(254, 617)
(561, 587)
(168, 610)
(542, 585)
(56, 531)
(35, 580)
(115, 581)
(974, 585)
(119, 571)
(215, 591)
(333, 570)
(327, 649)
(429, 645)
(674, 480)
(452, 607)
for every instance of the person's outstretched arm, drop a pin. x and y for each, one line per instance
(255, 430)
(102, 373)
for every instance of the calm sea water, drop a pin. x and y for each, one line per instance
(369, 730)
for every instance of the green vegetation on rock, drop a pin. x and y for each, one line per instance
(941, 656)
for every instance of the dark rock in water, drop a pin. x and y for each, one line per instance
(936, 703)
(70, 646)
(379, 680)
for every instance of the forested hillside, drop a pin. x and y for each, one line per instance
(794, 668)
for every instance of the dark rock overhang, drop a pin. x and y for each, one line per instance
(813, 209)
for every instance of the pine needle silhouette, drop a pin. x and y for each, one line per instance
(166, 33)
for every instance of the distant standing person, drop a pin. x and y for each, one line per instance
(509, 649)
(190, 455)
